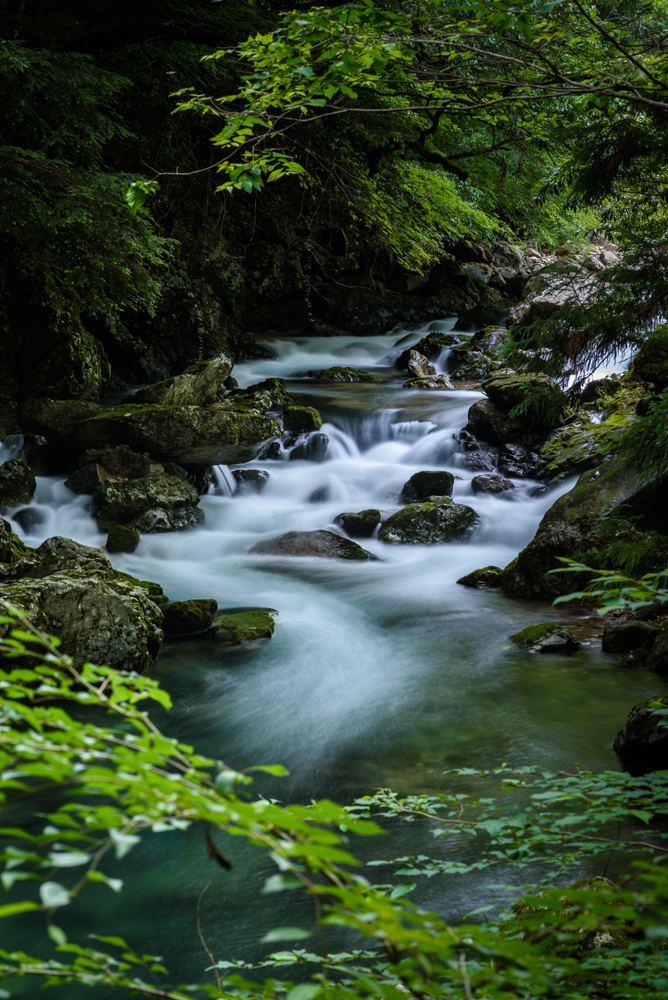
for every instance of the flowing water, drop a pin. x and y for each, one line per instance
(379, 673)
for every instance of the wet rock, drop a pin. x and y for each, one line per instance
(28, 518)
(548, 637)
(516, 461)
(122, 539)
(301, 419)
(312, 449)
(595, 391)
(651, 362)
(12, 549)
(432, 345)
(429, 523)
(339, 374)
(250, 480)
(623, 637)
(245, 626)
(643, 742)
(120, 502)
(158, 520)
(658, 654)
(418, 365)
(189, 617)
(323, 544)
(488, 576)
(359, 525)
(507, 391)
(492, 424)
(17, 482)
(199, 385)
(489, 339)
(99, 464)
(72, 591)
(471, 366)
(432, 382)
(320, 495)
(479, 461)
(271, 452)
(424, 484)
(491, 484)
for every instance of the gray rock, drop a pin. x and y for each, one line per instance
(471, 366)
(517, 461)
(489, 576)
(418, 365)
(491, 484)
(312, 449)
(359, 525)
(483, 272)
(17, 482)
(431, 382)
(492, 424)
(323, 544)
(424, 484)
(548, 637)
(625, 636)
(339, 374)
(429, 523)
(199, 385)
(122, 502)
(544, 295)
(250, 480)
(99, 464)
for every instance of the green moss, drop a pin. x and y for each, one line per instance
(242, 627)
(187, 617)
(340, 374)
(534, 636)
(122, 539)
(488, 576)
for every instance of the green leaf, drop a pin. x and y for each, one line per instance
(57, 934)
(12, 908)
(304, 991)
(53, 895)
(286, 934)
(276, 769)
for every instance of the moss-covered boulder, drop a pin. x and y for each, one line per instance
(322, 544)
(11, 547)
(250, 480)
(122, 539)
(470, 366)
(199, 385)
(189, 617)
(546, 400)
(548, 637)
(430, 523)
(581, 445)
(240, 627)
(432, 345)
(340, 374)
(429, 382)
(17, 482)
(491, 483)
(100, 464)
(625, 636)
(490, 423)
(482, 579)
(651, 362)
(122, 502)
(72, 591)
(301, 419)
(643, 742)
(427, 484)
(359, 525)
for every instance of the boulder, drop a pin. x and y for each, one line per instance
(301, 419)
(580, 445)
(240, 627)
(625, 636)
(548, 637)
(122, 539)
(17, 482)
(99, 464)
(543, 296)
(432, 345)
(122, 502)
(339, 374)
(651, 362)
(323, 544)
(489, 576)
(509, 390)
(12, 549)
(418, 365)
(429, 523)
(313, 448)
(190, 435)
(489, 423)
(359, 525)
(488, 340)
(643, 742)
(658, 654)
(491, 484)
(424, 484)
(250, 480)
(189, 617)
(431, 382)
(199, 385)
(517, 461)
(470, 366)
(483, 272)
(72, 591)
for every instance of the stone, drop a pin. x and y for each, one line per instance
(625, 636)
(429, 523)
(312, 449)
(120, 502)
(424, 484)
(488, 339)
(431, 382)
(488, 576)
(301, 419)
(642, 744)
(544, 295)
(418, 365)
(432, 345)
(122, 539)
(12, 549)
(508, 391)
(339, 374)
(517, 461)
(359, 525)
(651, 362)
(658, 654)
(17, 482)
(28, 518)
(471, 366)
(243, 626)
(188, 435)
(548, 637)
(250, 480)
(189, 617)
(483, 272)
(323, 544)
(491, 484)
(489, 423)
(199, 385)
(99, 464)
(580, 445)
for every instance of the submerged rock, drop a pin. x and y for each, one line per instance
(425, 484)
(199, 385)
(491, 484)
(122, 539)
(488, 576)
(429, 523)
(643, 742)
(189, 617)
(250, 480)
(359, 525)
(323, 544)
(548, 637)
(340, 374)
(431, 382)
(301, 419)
(17, 482)
(122, 502)
(241, 627)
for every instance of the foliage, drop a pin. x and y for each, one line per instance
(126, 780)
(612, 589)
(644, 444)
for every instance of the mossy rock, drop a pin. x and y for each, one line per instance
(189, 617)
(642, 744)
(359, 525)
(510, 390)
(199, 385)
(432, 345)
(580, 446)
(492, 424)
(548, 637)
(340, 374)
(430, 523)
(481, 579)
(321, 544)
(491, 483)
(242, 627)
(424, 484)
(651, 362)
(17, 482)
(429, 382)
(122, 502)
(12, 549)
(301, 419)
(122, 539)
